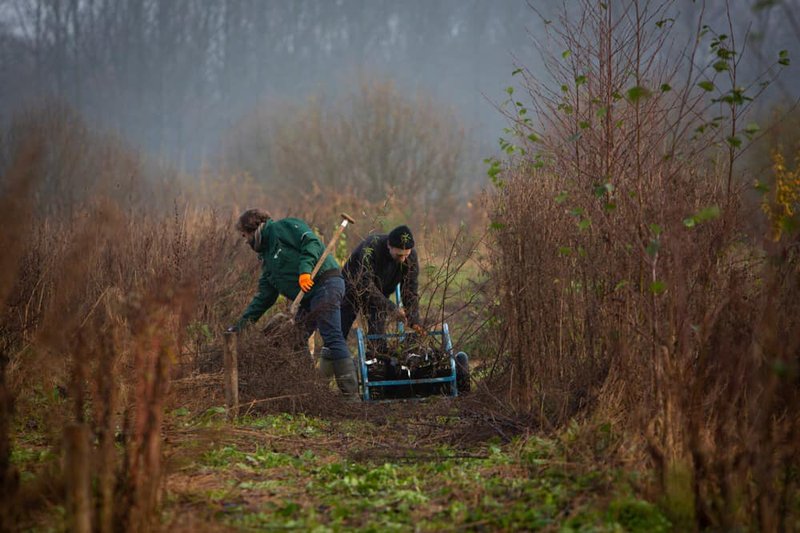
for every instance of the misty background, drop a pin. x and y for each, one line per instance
(176, 77)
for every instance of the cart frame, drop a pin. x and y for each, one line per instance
(366, 384)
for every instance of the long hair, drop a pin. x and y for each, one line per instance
(251, 219)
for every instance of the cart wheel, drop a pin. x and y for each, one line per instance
(462, 373)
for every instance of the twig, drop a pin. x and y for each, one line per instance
(93, 307)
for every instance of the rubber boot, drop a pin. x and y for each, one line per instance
(326, 367)
(345, 372)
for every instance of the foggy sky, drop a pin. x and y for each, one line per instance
(172, 76)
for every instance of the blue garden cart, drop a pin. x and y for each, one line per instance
(417, 366)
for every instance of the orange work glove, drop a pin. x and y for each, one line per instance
(305, 282)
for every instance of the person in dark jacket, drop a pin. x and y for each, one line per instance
(288, 251)
(371, 274)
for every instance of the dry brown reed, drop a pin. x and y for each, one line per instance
(15, 205)
(96, 299)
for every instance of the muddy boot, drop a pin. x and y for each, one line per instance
(346, 379)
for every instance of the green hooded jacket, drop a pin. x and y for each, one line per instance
(288, 249)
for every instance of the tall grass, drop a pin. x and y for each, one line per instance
(97, 293)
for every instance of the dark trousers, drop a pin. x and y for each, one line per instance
(376, 320)
(323, 312)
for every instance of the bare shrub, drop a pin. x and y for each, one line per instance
(78, 163)
(97, 297)
(15, 206)
(372, 143)
(278, 375)
(628, 282)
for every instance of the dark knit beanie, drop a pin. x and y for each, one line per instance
(400, 237)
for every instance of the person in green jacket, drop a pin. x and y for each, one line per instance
(288, 250)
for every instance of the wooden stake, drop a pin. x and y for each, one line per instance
(76, 467)
(231, 374)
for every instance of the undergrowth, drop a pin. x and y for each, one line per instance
(314, 474)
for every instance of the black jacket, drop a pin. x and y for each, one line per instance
(371, 275)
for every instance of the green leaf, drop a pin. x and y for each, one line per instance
(561, 197)
(564, 89)
(717, 41)
(580, 80)
(665, 87)
(516, 71)
(752, 128)
(734, 141)
(704, 215)
(495, 167)
(783, 57)
(637, 93)
(577, 212)
(735, 97)
(583, 124)
(652, 248)
(658, 287)
(601, 112)
(533, 138)
(510, 90)
(610, 206)
(497, 226)
(706, 85)
(602, 189)
(789, 224)
(721, 66)
(660, 23)
(565, 54)
(724, 53)
(584, 224)
(761, 187)
(707, 213)
(564, 251)
(655, 229)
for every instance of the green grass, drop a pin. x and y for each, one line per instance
(312, 474)
(303, 484)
